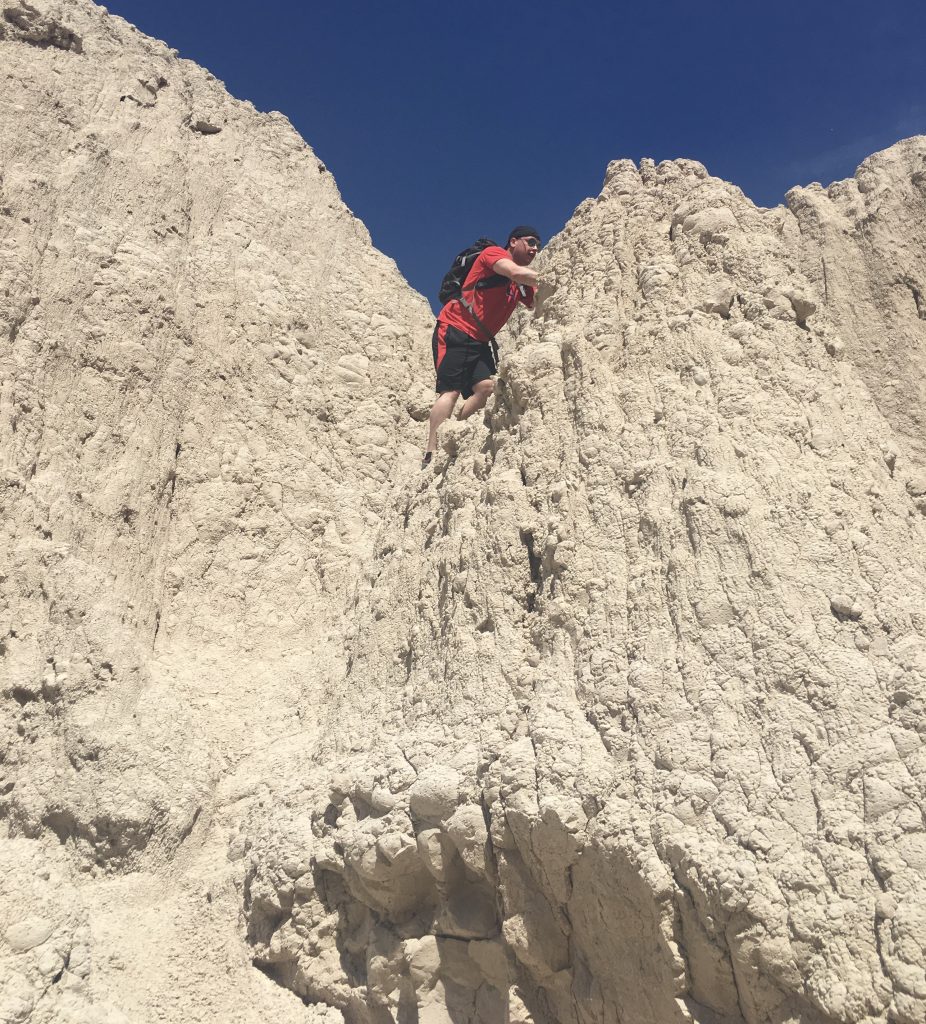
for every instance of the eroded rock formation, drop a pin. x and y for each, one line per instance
(651, 716)
(862, 243)
(615, 714)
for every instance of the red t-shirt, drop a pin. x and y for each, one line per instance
(493, 306)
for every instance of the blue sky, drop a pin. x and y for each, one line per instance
(443, 122)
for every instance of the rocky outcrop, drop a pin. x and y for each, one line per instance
(616, 713)
(200, 381)
(23, 23)
(206, 370)
(647, 657)
(862, 243)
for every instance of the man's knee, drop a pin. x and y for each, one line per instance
(443, 398)
(484, 388)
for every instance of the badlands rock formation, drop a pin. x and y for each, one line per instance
(615, 715)
(863, 245)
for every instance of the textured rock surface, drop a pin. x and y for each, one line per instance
(615, 715)
(668, 641)
(195, 444)
(863, 245)
(205, 372)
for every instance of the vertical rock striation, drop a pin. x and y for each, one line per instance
(615, 714)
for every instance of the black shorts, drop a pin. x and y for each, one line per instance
(460, 361)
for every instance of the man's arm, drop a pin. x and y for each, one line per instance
(520, 275)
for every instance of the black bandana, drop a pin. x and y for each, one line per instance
(523, 231)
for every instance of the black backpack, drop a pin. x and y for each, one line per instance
(452, 285)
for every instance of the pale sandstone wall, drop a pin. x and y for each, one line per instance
(649, 659)
(863, 244)
(614, 715)
(205, 378)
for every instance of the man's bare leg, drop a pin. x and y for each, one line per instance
(477, 399)
(441, 411)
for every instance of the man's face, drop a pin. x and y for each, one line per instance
(523, 250)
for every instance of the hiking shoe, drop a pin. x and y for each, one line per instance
(426, 459)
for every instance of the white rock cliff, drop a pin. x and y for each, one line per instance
(615, 714)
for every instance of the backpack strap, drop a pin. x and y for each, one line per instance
(489, 337)
(492, 280)
(489, 281)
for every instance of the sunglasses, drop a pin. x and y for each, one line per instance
(534, 243)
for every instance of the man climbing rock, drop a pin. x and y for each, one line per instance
(465, 354)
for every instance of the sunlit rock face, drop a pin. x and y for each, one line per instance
(862, 243)
(613, 714)
(632, 728)
(206, 373)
